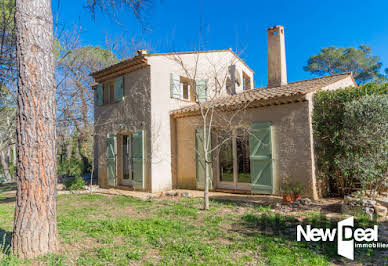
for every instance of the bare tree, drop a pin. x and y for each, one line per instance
(7, 86)
(125, 48)
(35, 225)
(113, 7)
(7, 137)
(74, 94)
(216, 122)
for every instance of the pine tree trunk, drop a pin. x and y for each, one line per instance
(35, 226)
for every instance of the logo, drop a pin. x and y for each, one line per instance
(347, 237)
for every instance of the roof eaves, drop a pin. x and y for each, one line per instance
(322, 77)
(208, 51)
(119, 64)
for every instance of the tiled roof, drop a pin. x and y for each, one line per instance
(297, 88)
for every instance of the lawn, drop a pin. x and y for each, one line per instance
(119, 230)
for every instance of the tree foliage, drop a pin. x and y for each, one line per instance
(334, 60)
(365, 130)
(331, 136)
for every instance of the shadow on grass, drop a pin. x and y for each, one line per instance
(9, 186)
(239, 201)
(6, 195)
(284, 227)
(4, 200)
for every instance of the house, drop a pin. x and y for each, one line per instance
(148, 121)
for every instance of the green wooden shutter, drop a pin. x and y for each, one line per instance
(176, 90)
(118, 90)
(138, 159)
(111, 159)
(200, 161)
(201, 90)
(260, 146)
(99, 94)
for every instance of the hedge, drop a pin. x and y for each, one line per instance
(337, 117)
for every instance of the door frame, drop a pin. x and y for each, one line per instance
(230, 185)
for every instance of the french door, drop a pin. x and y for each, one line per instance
(234, 160)
(125, 159)
(245, 159)
(126, 178)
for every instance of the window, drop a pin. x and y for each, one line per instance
(110, 91)
(246, 82)
(186, 90)
(182, 88)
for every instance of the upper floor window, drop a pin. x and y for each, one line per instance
(182, 88)
(185, 90)
(110, 91)
(246, 82)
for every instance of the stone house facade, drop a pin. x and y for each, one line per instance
(148, 117)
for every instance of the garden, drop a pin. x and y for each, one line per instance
(98, 229)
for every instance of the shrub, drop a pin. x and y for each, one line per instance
(72, 167)
(330, 139)
(365, 130)
(295, 188)
(74, 182)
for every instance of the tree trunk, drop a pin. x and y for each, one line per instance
(69, 148)
(35, 226)
(205, 148)
(206, 193)
(4, 165)
(10, 162)
(82, 150)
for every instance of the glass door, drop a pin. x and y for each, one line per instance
(226, 162)
(126, 160)
(243, 163)
(233, 160)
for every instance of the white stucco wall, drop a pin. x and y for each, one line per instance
(209, 65)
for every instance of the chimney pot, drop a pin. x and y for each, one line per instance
(277, 70)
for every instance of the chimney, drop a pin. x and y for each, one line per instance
(277, 71)
(142, 52)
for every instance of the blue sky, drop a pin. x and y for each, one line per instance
(241, 25)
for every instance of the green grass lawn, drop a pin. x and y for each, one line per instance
(118, 230)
